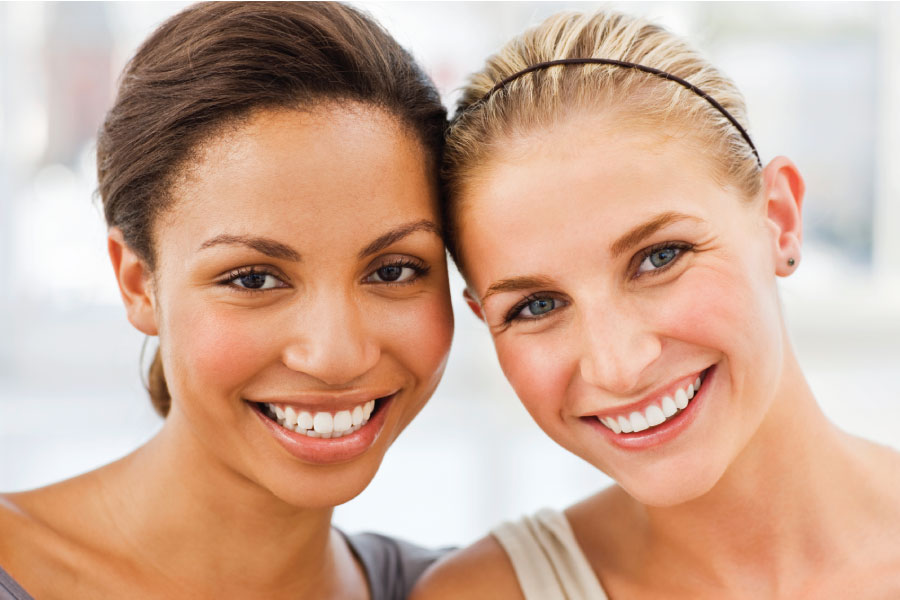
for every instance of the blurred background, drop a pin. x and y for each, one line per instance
(822, 82)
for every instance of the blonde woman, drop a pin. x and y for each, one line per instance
(633, 304)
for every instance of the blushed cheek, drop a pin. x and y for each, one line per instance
(540, 372)
(215, 350)
(419, 335)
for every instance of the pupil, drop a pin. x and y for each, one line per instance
(253, 281)
(662, 257)
(539, 307)
(390, 273)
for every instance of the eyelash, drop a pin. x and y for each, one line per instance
(513, 314)
(640, 257)
(228, 280)
(419, 267)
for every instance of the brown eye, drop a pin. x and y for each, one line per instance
(397, 272)
(391, 272)
(256, 281)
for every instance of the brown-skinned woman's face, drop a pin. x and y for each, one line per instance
(302, 298)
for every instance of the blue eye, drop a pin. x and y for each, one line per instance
(540, 306)
(659, 258)
(533, 307)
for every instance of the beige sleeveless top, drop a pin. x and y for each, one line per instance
(547, 559)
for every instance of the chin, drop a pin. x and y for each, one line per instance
(314, 487)
(671, 485)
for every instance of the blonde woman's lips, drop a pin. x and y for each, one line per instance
(656, 421)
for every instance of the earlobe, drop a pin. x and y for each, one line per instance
(134, 279)
(473, 304)
(784, 189)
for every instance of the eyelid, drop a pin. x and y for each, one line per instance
(418, 265)
(227, 280)
(682, 247)
(512, 315)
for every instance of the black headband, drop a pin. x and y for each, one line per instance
(628, 65)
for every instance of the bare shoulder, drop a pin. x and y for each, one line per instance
(481, 571)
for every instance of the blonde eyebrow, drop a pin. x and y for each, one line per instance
(516, 284)
(638, 234)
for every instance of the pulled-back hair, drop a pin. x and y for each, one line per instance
(217, 63)
(536, 100)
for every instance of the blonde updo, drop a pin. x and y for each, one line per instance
(483, 126)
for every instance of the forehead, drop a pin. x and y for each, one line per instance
(585, 180)
(334, 169)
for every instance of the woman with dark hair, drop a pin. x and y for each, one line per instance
(268, 176)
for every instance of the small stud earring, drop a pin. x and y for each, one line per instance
(791, 262)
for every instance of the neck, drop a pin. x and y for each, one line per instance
(189, 520)
(785, 507)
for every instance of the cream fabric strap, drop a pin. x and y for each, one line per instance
(547, 559)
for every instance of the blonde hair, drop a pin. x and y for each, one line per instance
(536, 100)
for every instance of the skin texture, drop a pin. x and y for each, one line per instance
(759, 496)
(213, 506)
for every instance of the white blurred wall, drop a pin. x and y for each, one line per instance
(823, 86)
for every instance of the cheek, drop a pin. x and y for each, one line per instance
(418, 334)
(539, 367)
(214, 348)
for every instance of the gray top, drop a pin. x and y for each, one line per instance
(392, 567)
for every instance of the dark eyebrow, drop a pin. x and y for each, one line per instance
(515, 284)
(638, 234)
(266, 246)
(397, 234)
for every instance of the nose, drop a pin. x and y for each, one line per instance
(331, 340)
(619, 345)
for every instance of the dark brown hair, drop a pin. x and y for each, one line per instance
(214, 64)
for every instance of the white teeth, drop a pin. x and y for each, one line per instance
(305, 420)
(638, 422)
(681, 399)
(323, 422)
(654, 415)
(343, 421)
(668, 406)
(290, 417)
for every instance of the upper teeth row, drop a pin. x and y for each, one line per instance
(322, 424)
(655, 414)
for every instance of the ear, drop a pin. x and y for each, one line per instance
(473, 304)
(134, 279)
(784, 190)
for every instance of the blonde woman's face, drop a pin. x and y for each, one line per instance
(302, 299)
(614, 273)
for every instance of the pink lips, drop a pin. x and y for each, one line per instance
(660, 434)
(328, 451)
